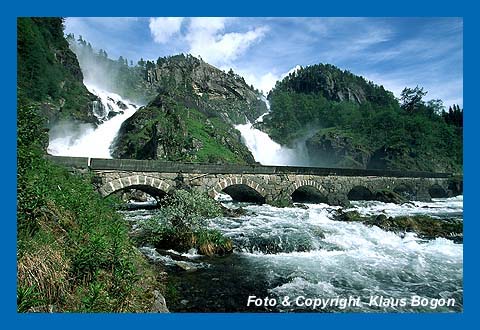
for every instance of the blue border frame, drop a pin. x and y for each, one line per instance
(225, 8)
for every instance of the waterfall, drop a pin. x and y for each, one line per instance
(85, 140)
(264, 149)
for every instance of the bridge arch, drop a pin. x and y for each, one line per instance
(437, 191)
(152, 186)
(406, 190)
(360, 192)
(307, 191)
(240, 189)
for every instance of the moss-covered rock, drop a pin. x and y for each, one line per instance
(424, 226)
(172, 129)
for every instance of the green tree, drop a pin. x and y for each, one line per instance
(411, 98)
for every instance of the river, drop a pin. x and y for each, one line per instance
(292, 253)
(296, 252)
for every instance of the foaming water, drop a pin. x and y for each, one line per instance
(438, 207)
(264, 149)
(68, 139)
(292, 252)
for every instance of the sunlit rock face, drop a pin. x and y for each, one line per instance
(226, 95)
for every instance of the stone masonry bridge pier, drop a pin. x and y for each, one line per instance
(263, 184)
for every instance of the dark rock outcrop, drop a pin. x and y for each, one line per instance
(335, 148)
(424, 226)
(389, 196)
(210, 90)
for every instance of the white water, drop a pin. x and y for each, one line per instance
(438, 207)
(296, 252)
(84, 140)
(264, 149)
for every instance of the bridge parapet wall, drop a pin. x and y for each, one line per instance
(271, 182)
(270, 186)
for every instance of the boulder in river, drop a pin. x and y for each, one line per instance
(424, 226)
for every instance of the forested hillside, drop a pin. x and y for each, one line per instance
(347, 121)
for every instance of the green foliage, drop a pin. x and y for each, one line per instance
(115, 75)
(168, 130)
(188, 209)
(48, 72)
(28, 297)
(454, 116)
(73, 249)
(417, 135)
(411, 98)
(333, 84)
(67, 231)
(181, 224)
(214, 138)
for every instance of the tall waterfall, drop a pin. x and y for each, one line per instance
(85, 140)
(265, 150)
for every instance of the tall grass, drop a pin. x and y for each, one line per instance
(73, 252)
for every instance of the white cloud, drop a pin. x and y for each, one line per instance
(207, 39)
(207, 25)
(163, 28)
(267, 81)
(263, 83)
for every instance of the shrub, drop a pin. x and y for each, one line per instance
(181, 224)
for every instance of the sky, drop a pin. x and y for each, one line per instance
(393, 52)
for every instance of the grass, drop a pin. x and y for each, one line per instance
(73, 249)
(210, 136)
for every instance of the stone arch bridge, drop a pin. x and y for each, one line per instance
(263, 184)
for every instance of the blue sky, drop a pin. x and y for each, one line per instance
(393, 52)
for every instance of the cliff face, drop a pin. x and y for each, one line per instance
(225, 95)
(192, 115)
(48, 72)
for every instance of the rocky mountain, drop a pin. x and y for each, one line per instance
(225, 95)
(333, 84)
(346, 121)
(192, 116)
